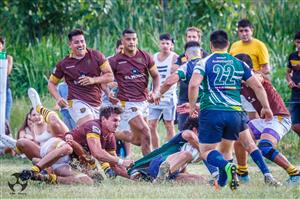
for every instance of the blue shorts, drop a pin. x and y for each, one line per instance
(295, 112)
(215, 125)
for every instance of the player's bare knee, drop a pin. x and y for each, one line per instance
(66, 150)
(21, 143)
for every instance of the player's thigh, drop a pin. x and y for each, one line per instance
(80, 110)
(277, 127)
(154, 113)
(169, 113)
(235, 122)
(211, 127)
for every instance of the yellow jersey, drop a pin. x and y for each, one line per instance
(256, 49)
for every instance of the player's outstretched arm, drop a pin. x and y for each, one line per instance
(170, 81)
(191, 137)
(100, 154)
(261, 95)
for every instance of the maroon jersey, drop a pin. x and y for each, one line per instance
(92, 129)
(71, 69)
(276, 103)
(132, 75)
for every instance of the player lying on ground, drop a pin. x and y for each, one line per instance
(269, 133)
(170, 160)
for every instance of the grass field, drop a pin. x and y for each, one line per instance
(122, 188)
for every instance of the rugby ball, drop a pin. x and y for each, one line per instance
(188, 147)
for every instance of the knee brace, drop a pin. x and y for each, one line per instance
(267, 149)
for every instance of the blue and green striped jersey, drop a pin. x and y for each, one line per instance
(222, 79)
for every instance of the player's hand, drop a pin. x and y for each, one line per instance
(69, 138)
(127, 163)
(266, 113)
(62, 102)
(194, 111)
(292, 84)
(85, 80)
(113, 99)
(183, 108)
(153, 98)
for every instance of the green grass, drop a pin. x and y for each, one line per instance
(123, 188)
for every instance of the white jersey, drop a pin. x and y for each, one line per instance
(164, 69)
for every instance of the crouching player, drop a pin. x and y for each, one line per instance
(97, 137)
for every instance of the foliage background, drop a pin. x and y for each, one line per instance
(36, 30)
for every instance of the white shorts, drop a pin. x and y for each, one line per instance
(44, 151)
(131, 110)
(247, 106)
(167, 108)
(277, 127)
(79, 109)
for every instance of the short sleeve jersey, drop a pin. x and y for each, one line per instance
(256, 49)
(71, 69)
(92, 129)
(222, 79)
(132, 75)
(185, 73)
(276, 103)
(294, 64)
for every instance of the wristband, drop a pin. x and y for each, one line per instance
(120, 162)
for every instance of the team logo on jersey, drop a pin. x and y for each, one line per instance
(135, 73)
(140, 60)
(95, 129)
(82, 110)
(133, 109)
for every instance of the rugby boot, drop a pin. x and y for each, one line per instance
(294, 179)
(232, 178)
(163, 173)
(270, 180)
(34, 98)
(244, 178)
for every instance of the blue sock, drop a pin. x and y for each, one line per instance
(215, 158)
(231, 160)
(222, 178)
(259, 161)
(212, 169)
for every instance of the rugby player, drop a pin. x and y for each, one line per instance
(184, 74)
(84, 70)
(131, 69)
(192, 34)
(168, 162)
(221, 115)
(269, 133)
(164, 60)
